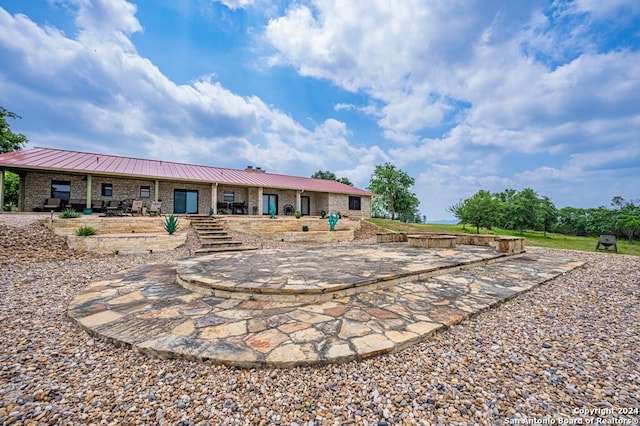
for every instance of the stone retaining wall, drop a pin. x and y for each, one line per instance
(282, 228)
(503, 244)
(319, 236)
(112, 225)
(127, 243)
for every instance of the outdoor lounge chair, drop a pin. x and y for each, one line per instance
(136, 207)
(113, 208)
(155, 208)
(96, 205)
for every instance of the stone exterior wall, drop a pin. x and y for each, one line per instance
(36, 187)
(340, 203)
(165, 194)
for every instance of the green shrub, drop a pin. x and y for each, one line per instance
(305, 228)
(170, 224)
(323, 213)
(298, 215)
(69, 214)
(85, 231)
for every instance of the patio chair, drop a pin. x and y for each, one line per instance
(113, 208)
(136, 207)
(155, 208)
(96, 205)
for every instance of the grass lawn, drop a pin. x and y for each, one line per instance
(532, 238)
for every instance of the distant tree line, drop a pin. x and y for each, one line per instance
(526, 210)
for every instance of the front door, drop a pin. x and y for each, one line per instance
(267, 200)
(185, 201)
(305, 205)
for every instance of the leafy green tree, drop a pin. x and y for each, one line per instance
(504, 200)
(523, 210)
(600, 220)
(481, 210)
(548, 215)
(10, 141)
(457, 210)
(572, 220)
(11, 182)
(324, 174)
(327, 175)
(630, 224)
(392, 187)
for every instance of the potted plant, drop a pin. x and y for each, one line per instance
(305, 228)
(298, 215)
(323, 213)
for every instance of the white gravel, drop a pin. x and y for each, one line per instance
(566, 350)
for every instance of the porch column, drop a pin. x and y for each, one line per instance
(298, 205)
(260, 192)
(156, 188)
(89, 179)
(214, 197)
(1, 189)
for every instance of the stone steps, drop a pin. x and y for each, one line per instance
(212, 236)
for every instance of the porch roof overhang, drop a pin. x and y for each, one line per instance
(75, 162)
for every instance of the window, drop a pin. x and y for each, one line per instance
(228, 197)
(107, 189)
(354, 203)
(145, 192)
(61, 189)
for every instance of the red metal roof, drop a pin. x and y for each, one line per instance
(89, 163)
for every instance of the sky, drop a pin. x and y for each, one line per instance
(461, 95)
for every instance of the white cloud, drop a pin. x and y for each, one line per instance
(236, 4)
(99, 85)
(420, 62)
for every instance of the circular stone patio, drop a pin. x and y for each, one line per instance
(305, 306)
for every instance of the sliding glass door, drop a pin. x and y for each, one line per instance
(185, 201)
(267, 200)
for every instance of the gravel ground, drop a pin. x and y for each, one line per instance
(566, 350)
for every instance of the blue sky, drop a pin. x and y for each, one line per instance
(462, 95)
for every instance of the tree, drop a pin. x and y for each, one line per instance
(327, 175)
(457, 210)
(504, 200)
(11, 184)
(10, 141)
(548, 215)
(345, 180)
(523, 210)
(392, 188)
(481, 210)
(630, 224)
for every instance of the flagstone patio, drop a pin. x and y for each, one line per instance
(309, 306)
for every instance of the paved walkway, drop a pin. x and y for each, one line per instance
(305, 306)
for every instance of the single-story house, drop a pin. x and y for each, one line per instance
(90, 180)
